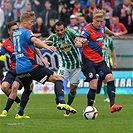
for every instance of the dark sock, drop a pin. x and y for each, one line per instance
(17, 100)
(70, 98)
(111, 92)
(91, 96)
(8, 104)
(99, 85)
(24, 101)
(59, 91)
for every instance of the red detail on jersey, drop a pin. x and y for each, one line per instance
(9, 46)
(89, 52)
(31, 55)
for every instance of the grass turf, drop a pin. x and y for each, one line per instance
(45, 118)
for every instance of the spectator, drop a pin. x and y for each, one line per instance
(64, 16)
(51, 28)
(1, 21)
(126, 15)
(109, 14)
(84, 3)
(76, 8)
(87, 15)
(28, 7)
(39, 29)
(73, 23)
(37, 6)
(82, 23)
(116, 26)
(19, 5)
(9, 13)
(48, 13)
(92, 7)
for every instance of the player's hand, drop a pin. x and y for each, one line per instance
(44, 62)
(80, 40)
(115, 65)
(51, 48)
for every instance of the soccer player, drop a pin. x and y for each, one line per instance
(107, 47)
(27, 68)
(70, 66)
(11, 82)
(93, 62)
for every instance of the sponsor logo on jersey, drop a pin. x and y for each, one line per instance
(65, 47)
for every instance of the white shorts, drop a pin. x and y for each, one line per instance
(73, 75)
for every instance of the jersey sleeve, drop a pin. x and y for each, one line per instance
(73, 33)
(51, 38)
(111, 46)
(85, 33)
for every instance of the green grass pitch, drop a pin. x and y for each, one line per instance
(45, 118)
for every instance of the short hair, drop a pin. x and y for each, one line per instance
(98, 13)
(27, 16)
(59, 23)
(10, 24)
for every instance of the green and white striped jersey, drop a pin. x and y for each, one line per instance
(107, 46)
(70, 55)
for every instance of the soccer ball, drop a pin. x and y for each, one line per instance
(90, 112)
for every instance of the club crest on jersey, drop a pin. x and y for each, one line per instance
(90, 75)
(65, 47)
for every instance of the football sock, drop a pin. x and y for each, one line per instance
(59, 91)
(17, 100)
(99, 85)
(111, 92)
(91, 96)
(24, 101)
(105, 91)
(70, 98)
(9, 104)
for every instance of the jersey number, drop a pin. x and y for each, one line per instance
(16, 41)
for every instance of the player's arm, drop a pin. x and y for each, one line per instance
(39, 44)
(44, 62)
(114, 58)
(107, 31)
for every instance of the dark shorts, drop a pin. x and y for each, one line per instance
(11, 77)
(90, 69)
(40, 74)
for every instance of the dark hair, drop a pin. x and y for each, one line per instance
(59, 23)
(10, 24)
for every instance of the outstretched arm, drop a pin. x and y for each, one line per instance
(112, 33)
(44, 62)
(39, 44)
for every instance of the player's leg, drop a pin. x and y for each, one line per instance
(28, 86)
(74, 78)
(89, 72)
(6, 84)
(99, 85)
(106, 98)
(110, 87)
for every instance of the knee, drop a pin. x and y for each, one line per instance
(5, 88)
(109, 77)
(93, 84)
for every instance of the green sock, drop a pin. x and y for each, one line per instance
(105, 91)
(70, 98)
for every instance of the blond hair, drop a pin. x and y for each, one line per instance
(99, 13)
(27, 16)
